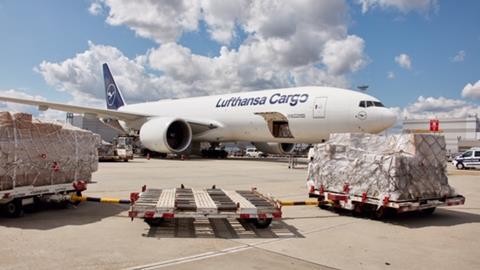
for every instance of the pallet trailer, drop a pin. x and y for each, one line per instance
(362, 204)
(14, 200)
(154, 205)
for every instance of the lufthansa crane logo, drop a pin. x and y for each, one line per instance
(361, 115)
(111, 93)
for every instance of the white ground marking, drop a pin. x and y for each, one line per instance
(222, 252)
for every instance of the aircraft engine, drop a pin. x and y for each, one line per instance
(275, 148)
(166, 135)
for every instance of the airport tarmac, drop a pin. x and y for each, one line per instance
(101, 236)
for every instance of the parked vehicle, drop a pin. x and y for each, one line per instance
(468, 159)
(253, 152)
(120, 149)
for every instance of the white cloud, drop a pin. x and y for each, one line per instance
(161, 20)
(81, 76)
(441, 107)
(280, 49)
(342, 56)
(391, 75)
(404, 61)
(222, 17)
(273, 26)
(472, 90)
(15, 107)
(404, 6)
(231, 71)
(434, 107)
(459, 57)
(95, 8)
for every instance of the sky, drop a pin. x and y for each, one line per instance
(420, 57)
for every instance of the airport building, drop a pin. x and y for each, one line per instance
(93, 124)
(460, 133)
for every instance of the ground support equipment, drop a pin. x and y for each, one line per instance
(154, 205)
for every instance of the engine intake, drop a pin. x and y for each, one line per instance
(166, 135)
(275, 148)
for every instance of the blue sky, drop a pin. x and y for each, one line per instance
(430, 41)
(431, 33)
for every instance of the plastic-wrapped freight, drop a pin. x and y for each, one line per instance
(403, 167)
(37, 153)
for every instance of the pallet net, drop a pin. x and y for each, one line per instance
(39, 153)
(402, 167)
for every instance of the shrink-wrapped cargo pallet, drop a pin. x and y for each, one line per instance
(37, 153)
(402, 167)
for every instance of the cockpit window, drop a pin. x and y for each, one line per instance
(370, 103)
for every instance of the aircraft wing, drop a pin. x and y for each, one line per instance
(44, 105)
(198, 125)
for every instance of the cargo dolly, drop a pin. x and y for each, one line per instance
(13, 201)
(362, 204)
(155, 205)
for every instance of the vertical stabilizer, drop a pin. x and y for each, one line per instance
(113, 96)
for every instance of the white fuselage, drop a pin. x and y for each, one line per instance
(312, 113)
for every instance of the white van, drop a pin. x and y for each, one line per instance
(253, 152)
(469, 159)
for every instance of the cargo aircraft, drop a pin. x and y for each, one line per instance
(273, 120)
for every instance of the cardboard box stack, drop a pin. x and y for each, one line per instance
(38, 153)
(403, 167)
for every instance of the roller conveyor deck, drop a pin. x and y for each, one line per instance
(157, 204)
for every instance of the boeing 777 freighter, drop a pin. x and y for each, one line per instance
(274, 120)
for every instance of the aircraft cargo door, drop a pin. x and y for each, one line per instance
(319, 107)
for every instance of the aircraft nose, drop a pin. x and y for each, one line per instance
(389, 118)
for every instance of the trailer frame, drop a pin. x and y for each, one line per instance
(357, 203)
(155, 205)
(19, 197)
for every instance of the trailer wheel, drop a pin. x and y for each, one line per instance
(379, 213)
(63, 204)
(323, 205)
(262, 223)
(357, 210)
(428, 211)
(14, 208)
(153, 222)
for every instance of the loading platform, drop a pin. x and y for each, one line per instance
(155, 204)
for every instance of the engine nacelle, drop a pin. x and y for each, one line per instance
(275, 148)
(166, 135)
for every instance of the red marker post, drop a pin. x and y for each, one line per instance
(434, 125)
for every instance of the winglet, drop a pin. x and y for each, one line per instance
(113, 96)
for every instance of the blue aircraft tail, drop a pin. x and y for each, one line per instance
(113, 96)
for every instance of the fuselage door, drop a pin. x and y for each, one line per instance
(319, 107)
